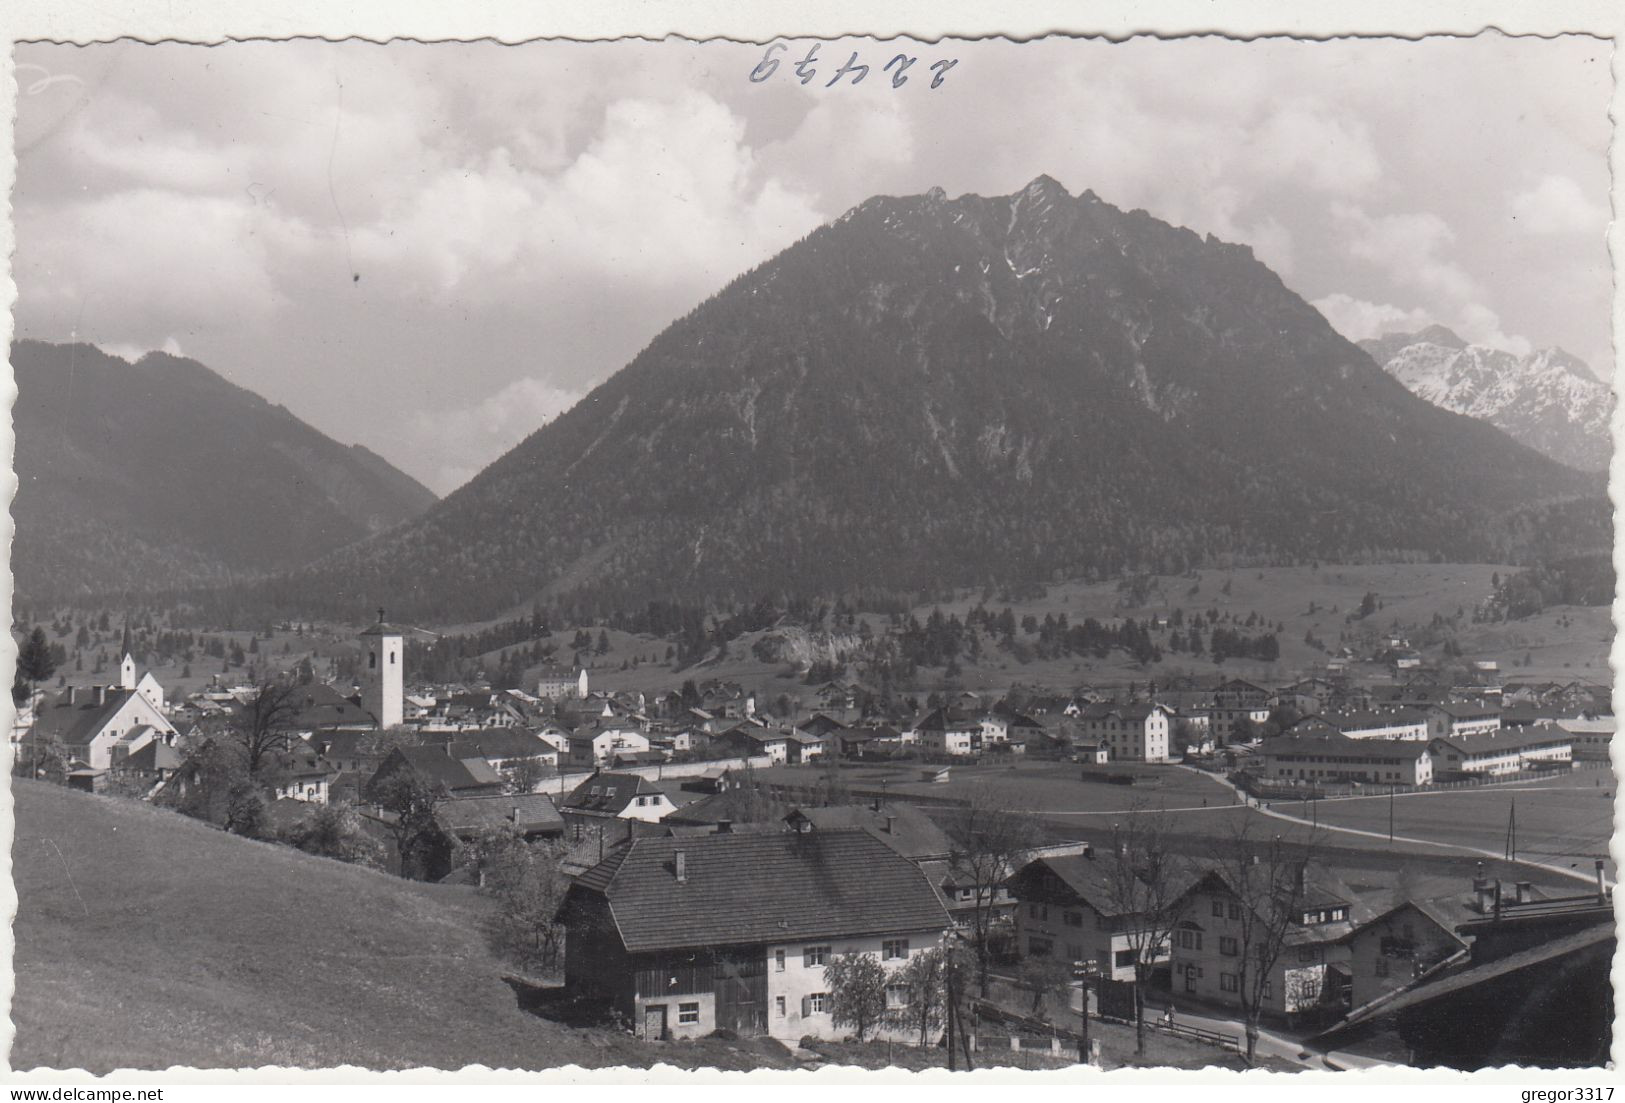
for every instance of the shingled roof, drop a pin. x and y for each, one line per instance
(756, 888)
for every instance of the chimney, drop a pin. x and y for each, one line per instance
(680, 864)
(725, 827)
(1602, 887)
(73, 695)
(890, 821)
(448, 747)
(877, 804)
(1497, 901)
(101, 695)
(1089, 852)
(1523, 892)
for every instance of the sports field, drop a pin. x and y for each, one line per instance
(1564, 821)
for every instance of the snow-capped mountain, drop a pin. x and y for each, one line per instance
(1549, 399)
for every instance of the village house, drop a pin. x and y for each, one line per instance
(594, 747)
(1066, 908)
(1137, 732)
(556, 683)
(902, 827)
(750, 740)
(1236, 705)
(321, 708)
(300, 775)
(949, 731)
(1315, 752)
(1457, 718)
(611, 796)
(439, 767)
(506, 750)
(687, 936)
(528, 815)
(1394, 949)
(1311, 695)
(1312, 971)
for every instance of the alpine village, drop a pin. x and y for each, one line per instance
(906, 661)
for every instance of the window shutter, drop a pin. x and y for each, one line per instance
(806, 1006)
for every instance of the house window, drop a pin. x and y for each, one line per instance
(1073, 919)
(778, 961)
(1123, 959)
(1218, 908)
(688, 1012)
(1306, 953)
(1269, 989)
(894, 949)
(896, 996)
(1032, 911)
(1235, 910)
(1227, 946)
(1382, 967)
(1227, 983)
(815, 957)
(817, 1003)
(778, 1006)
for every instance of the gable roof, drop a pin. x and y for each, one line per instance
(902, 827)
(444, 769)
(757, 888)
(322, 706)
(530, 813)
(609, 793)
(75, 717)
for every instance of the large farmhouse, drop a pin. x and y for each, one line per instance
(685, 936)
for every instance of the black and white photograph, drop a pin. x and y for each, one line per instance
(1063, 554)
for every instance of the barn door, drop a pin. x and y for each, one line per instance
(741, 991)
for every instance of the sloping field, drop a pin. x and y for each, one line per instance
(146, 940)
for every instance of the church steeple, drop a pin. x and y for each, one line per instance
(126, 663)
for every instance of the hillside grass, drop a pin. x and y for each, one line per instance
(147, 940)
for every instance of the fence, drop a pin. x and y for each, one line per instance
(1196, 1034)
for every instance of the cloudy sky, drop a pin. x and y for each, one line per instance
(433, 249)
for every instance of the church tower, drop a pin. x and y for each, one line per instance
(382, 677)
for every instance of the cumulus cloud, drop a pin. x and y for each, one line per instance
(1557, 205)
(1359, 320)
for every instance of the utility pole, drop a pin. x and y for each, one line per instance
(1512, 832)
(1390, 815)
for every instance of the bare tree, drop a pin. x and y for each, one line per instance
(995, 836)
(1266, 879)
(1146, 880)
(263, 725)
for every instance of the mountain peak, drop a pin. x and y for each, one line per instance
(1044, 186)
(1439, 335)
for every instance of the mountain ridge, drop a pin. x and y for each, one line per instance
(136, 476)
(929, 392)
(1548, 399)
